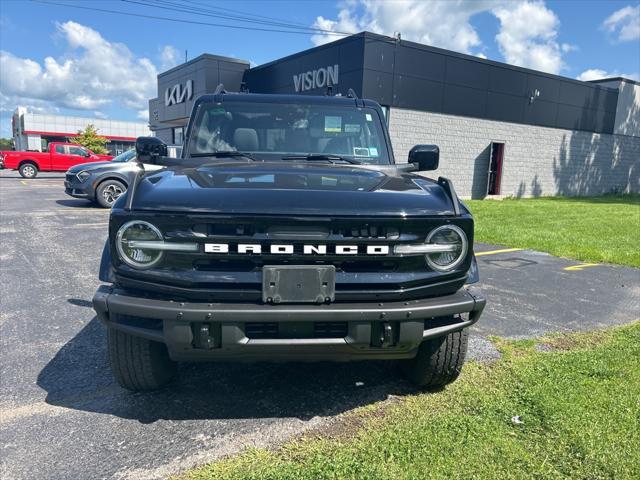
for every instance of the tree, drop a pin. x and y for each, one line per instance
(6, 143)
(90, 139)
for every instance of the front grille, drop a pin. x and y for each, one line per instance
(246, 231)
(70, 177)
(330, 329)
(291, 330)
(256, 264)
(260, 330)
(232, 277)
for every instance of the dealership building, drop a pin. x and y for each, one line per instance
(34, 131)
(502, 130)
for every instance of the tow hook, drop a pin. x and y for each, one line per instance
(384, 334)
(206, 335)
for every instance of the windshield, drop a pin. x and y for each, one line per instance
(270, 131)
(125, 156)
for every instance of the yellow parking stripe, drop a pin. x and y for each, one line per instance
(579, 267)
(502, 250)
(23, 182)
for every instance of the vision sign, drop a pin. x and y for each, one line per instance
(322, 77)
(178, 93)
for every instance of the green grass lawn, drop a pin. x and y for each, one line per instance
(579, 404)
(591, 229)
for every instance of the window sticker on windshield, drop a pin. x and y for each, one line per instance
(373, 151)
(360, 152)
(369, 117)
(351, 128)
(333, 124)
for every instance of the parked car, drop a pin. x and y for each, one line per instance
(58, 158)
(104, 182)
(287, 232)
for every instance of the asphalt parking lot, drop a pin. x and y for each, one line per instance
(63, 416)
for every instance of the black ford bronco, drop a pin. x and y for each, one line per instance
(287, 232)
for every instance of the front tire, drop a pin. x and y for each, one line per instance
(439, 360)
(139, 364)
(28, 170)
(108, 192)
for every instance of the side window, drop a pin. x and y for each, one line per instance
(77, 151)
(60, 149)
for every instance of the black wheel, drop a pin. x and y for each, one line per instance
(439, 360)
(28, 170)
(137, 363)
(108, 192)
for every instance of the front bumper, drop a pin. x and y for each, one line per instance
(77, 189)
(178, 325)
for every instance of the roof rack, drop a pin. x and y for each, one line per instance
(219, 89)
(351, 94)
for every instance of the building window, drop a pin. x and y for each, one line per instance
(178, 135)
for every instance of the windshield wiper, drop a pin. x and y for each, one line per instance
(225, 154)
(322, 157)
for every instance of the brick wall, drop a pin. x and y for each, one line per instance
(537, 160)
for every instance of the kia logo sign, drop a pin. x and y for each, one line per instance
(322, 77)
(178, 93)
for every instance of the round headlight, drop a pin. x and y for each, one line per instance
(133, 232)
(447, 235)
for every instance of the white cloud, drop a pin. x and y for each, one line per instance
(441, 23)
(94, 73)
(624, 23)
(527, 36)
(169, 57)
(8, 104)
(143, 114)
(598, 74)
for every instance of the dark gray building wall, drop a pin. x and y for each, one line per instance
(277, 77)
(206, 72)
(418, 77)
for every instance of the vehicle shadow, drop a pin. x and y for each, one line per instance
(78, 203)
(78, 377)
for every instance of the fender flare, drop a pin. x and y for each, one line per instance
(28, 160)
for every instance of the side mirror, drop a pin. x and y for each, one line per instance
(148, 149)
(425, 157)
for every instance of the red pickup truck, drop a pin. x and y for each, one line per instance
(59, 158)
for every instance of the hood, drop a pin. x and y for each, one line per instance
(88, 166)
(269, 188)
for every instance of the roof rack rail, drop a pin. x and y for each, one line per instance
(244, 88)
(351, 94)
(219, 89)
(329, 91)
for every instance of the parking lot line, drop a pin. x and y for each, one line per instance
(101, 224)
(75, 209)
(580, 266)
(502, 250)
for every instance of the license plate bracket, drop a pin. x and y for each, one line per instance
(298, 284)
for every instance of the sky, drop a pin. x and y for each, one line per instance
(76, 57)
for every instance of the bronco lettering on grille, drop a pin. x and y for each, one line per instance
(290, 249)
